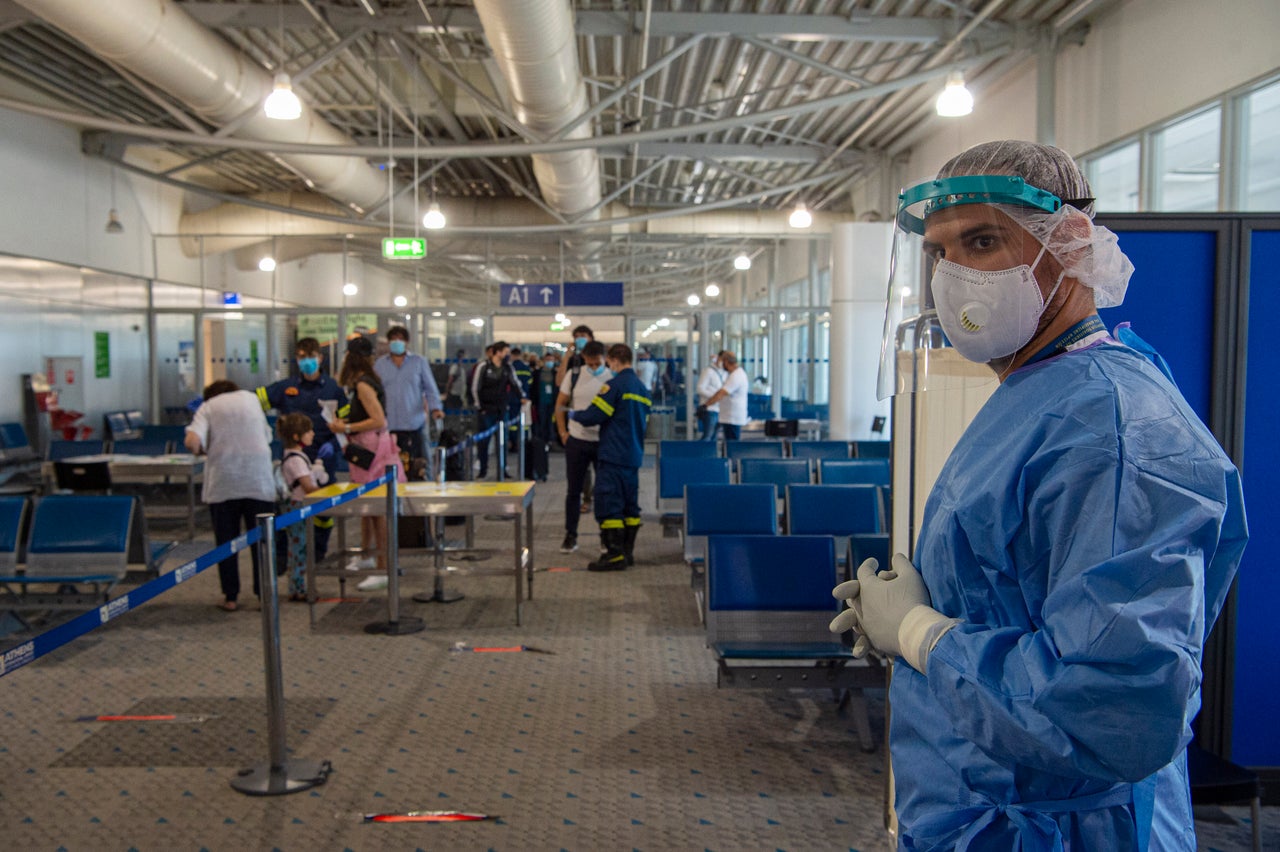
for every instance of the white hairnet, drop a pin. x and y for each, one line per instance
(1089, 253)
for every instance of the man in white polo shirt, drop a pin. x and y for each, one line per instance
(732, 397)
(580, 386)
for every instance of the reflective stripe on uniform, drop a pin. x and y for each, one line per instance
(611, 524)
(638, 398)
(599, 403)
(322, 523)
(633, 522)
(344, 411)
(262, 399)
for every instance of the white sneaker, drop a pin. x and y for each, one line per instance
(358, 564)
(373, 583)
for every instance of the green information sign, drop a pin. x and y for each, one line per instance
(253, 356)
(102, 354)
(404, 248)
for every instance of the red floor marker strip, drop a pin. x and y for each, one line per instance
(157, 717)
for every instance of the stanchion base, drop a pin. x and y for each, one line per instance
(293, 777)
(438, 596)
(406, 624)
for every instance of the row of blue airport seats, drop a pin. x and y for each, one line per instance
(775, 449)
(674, 473)
(767, 605)
(70, 542)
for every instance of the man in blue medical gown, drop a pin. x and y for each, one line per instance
(1076, 547)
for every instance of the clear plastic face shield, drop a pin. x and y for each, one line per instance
(968, 282)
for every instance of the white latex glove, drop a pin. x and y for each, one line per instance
(318, 474)
(849, 591)
(895, 612)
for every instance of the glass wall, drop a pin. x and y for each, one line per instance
(1115, 177)
(1260, 172)
(1186, 164)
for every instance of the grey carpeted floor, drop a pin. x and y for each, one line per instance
(617, 739)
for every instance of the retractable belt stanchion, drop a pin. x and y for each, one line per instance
(503, 426)
(520, 448)
(395, 625)
(439, 594)
(279, 776)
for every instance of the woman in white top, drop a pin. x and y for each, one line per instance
(232, 432)
(708, 383)
(732, 397)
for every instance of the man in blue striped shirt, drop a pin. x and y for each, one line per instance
(412, 395)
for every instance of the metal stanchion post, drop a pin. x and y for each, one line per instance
(438, 593)
(502, 449)
(520, 448)
(395, 625)
(278, 776)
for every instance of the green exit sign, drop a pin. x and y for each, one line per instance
(401, 248)
(558, 326)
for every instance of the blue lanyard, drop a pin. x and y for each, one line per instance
(1089, 326)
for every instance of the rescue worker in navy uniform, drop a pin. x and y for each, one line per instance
(620, 409)
(303, 394)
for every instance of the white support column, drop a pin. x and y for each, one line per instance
(859, 275)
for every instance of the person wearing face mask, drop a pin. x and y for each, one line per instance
(581, 442)
(1075, 549)
(412, 397)
(492, 387)
(621, 409)
(582, 335)
(708, 383)
(310, 392)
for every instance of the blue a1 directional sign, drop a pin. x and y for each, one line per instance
(594, 293)
(530, 295)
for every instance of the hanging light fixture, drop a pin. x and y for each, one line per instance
(712, 291)
(742, 262)
(267, 264)
(350, 289)
(400, 301)
(114, 225)
(955, 100)
(800, 217)
(282, 104)
(434, 219)
(693, 300)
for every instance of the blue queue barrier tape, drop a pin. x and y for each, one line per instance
(28, 652)
(288, 519)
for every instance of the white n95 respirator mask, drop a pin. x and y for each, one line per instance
(988, 315)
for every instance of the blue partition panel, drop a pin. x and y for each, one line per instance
(1170, 304)
(1255, 738)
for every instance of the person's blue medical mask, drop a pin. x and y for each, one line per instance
(599, 371)
(989, 315)
(397, 347)
(308, 365)
(579, 342)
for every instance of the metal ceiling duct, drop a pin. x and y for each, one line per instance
(158, 41)
(535, 48)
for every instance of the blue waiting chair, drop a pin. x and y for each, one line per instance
(864, 546)
(687, 449)
(59, 450)
(141, 447)
(14, 446)
(779, 472)
(674, 473)
(14, 516)
(871, 449)
(768, 605)
(753, 449)
(835, 510)
(820, 450)
(854, 472)
(164, 432)
(724, 510)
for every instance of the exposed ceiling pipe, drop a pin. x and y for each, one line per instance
(162, 44)
(535, 48)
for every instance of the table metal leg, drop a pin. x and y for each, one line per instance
(528, 534)
(438, 593)
(519, 566)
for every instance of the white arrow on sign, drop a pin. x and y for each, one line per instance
(547, 293)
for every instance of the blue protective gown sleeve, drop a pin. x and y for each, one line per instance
(1086, 530)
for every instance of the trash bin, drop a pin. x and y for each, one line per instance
(661, 423)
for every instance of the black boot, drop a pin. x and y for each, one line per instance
(614, 557)
(629, 542)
